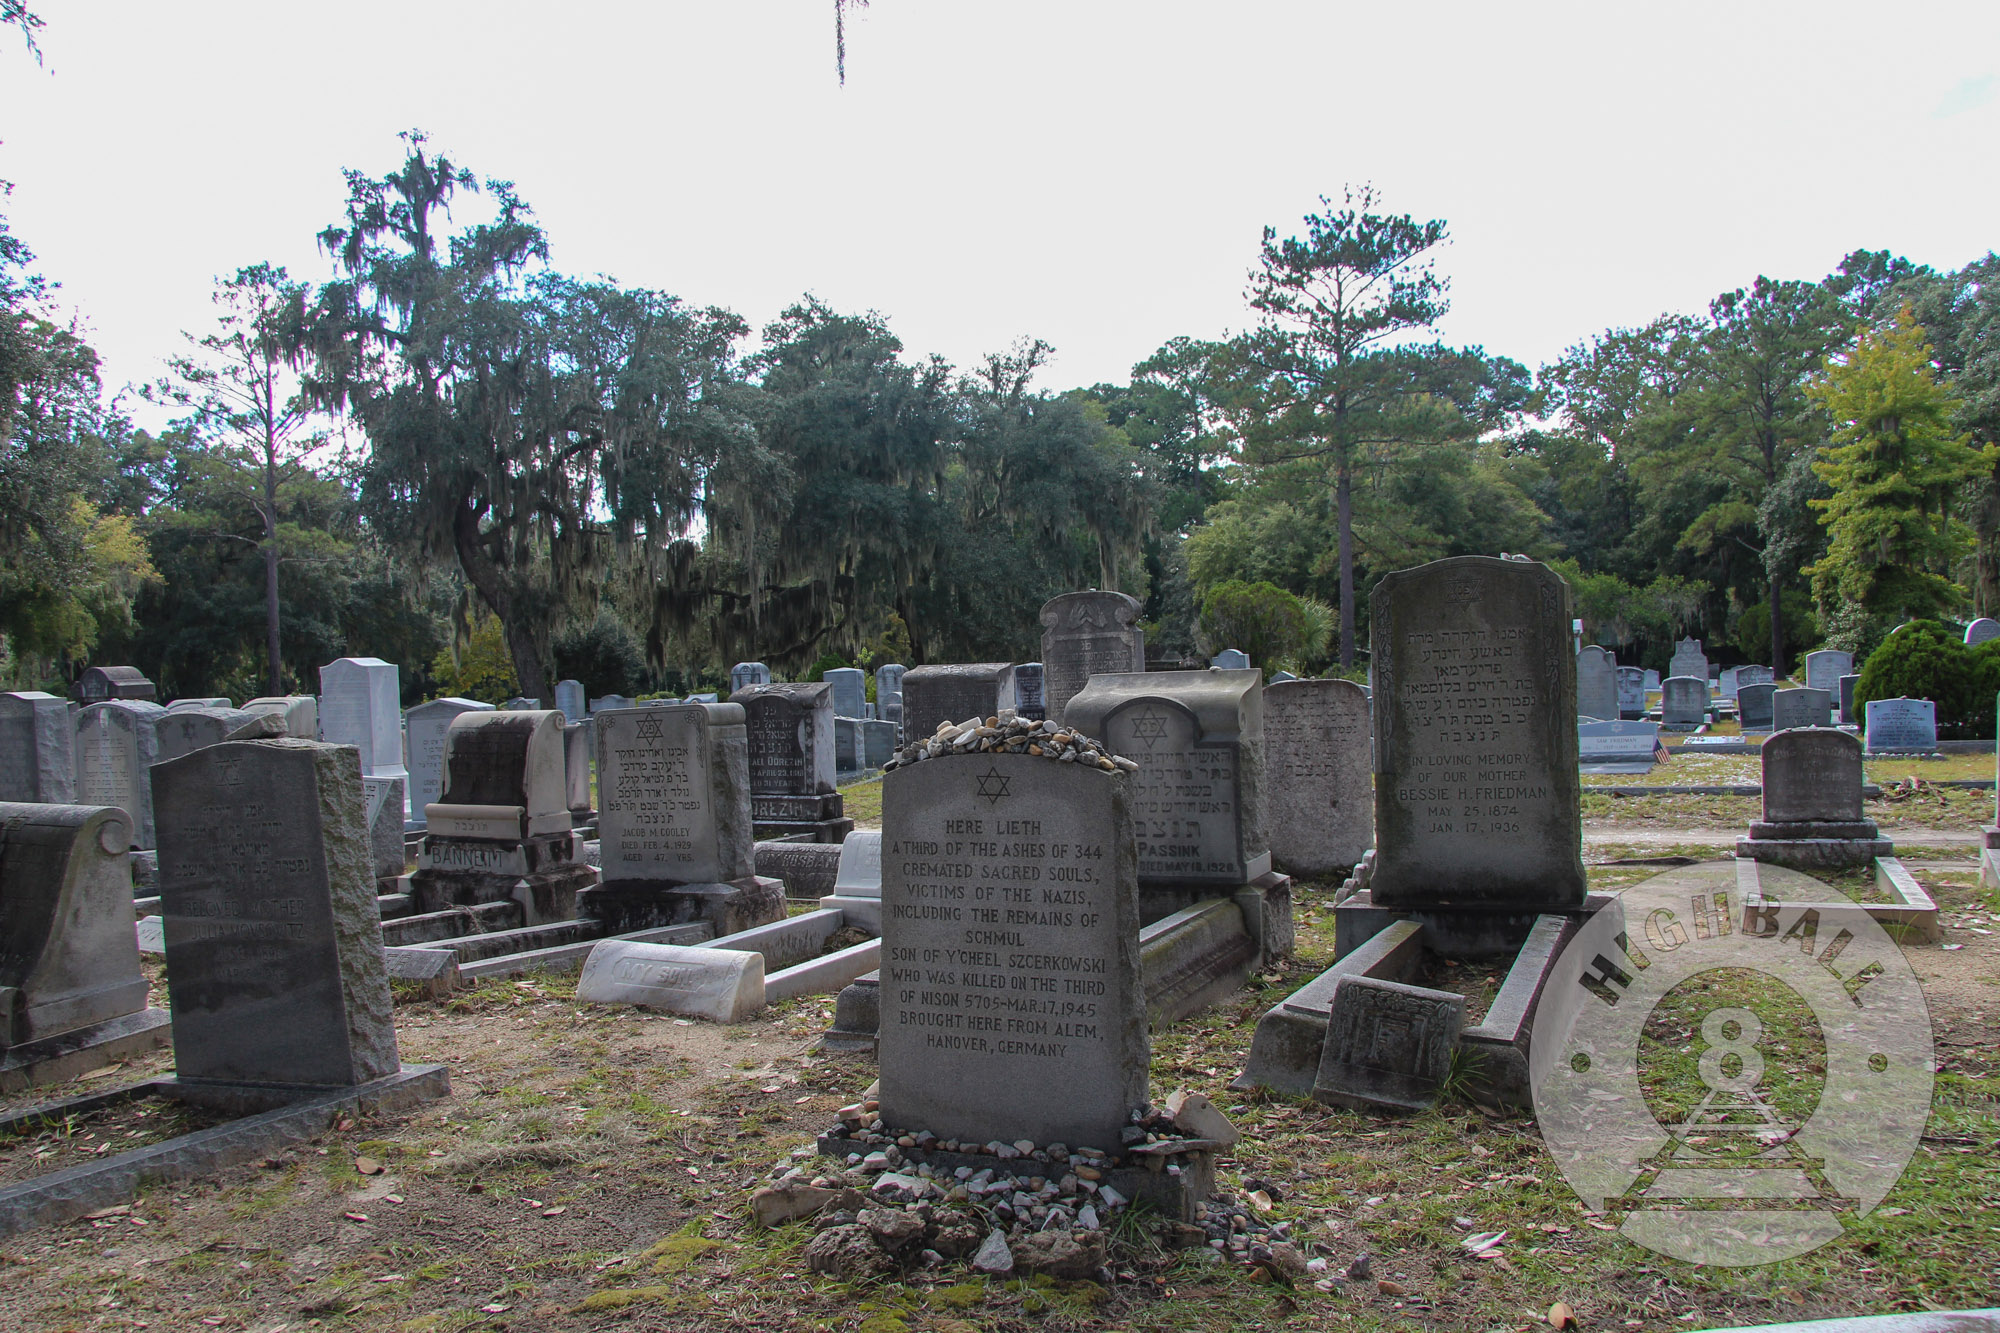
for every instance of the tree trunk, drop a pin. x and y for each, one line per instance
(523, 645)
(1986, 547)
(1344, 513)
(1777, 632)
(274, 657)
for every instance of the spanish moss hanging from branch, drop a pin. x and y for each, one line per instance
(840, 8)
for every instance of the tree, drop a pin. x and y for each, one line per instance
(543, 432)
(1261, 619)
(1333, 374)
(237, 389)
(1894, 469)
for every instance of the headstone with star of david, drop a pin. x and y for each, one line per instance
(1087, 634)
(954, 693)
(1012, 1005)
(1476, 788)
(1198, 797)
(501, 831)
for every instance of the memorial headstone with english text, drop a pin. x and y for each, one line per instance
(1901, 726)
(1825, 668)
(1803, 707)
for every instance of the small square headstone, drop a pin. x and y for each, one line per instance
(1800, 708)
(1387, 1044)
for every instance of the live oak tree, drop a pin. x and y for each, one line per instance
(546, 434)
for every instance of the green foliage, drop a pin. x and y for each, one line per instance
(481, 668)
(1616, 614)
(1925, 660)
(1262, 619)
(1752, 635)
(830, 662)
(606, 656)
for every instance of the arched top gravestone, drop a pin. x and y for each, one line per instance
(1086, 634)
(1476, 793)
(1596, 685)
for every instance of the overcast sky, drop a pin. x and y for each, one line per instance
(1091, 172)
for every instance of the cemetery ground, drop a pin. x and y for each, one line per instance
(592, 1169)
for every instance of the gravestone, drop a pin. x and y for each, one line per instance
(1825, 668)
(101, 684)
(37, 749)
(72, 997)
(725, 985)
(1813, 815)
(708, 697)
(847, 746)
(1800, 708)
(745, 674)
(1230, 659)
(1278, 677)
(184, 730)
(857, 884)
(501, 831)
(115, 749)
(1318, 750)
(955, 693)
(177, 705)
(1596, 685)
(1631, 693)
(1688, 660)
(1725, 683)
(517, 704)
(878, 742)
(1652, 680)
(1901, 726)
(792, 772)
(1029, 699)
(300, 712)
(889, 691)
(1754, 705)
(1980, 630)
(273, 935)
(1683, 703)
(383, 802)
(1085, 634)
(1617, 746)
(850, 690)
(426, 725)
(1847, 684)
(1011, 1000)
(1476, 794)
(360, 704)
(1751, 675)
(1387, 1045)
(598, 705)
(674, 823)
(570, 700)
(577, 747)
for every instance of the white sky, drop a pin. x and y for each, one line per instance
(1092, 172)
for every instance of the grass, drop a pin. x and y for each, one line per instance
(862, 801)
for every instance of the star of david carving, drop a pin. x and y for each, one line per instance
(649, 729)
(226, 773)
(1149, 724)
(1462, 592)
(993, 785)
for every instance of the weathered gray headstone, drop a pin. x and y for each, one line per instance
(1087, 634)
(300, 711)
(792, 769)
(273, 934)
(426, 725)
(1387, 1044)
(847, 759)
(1230, 659)
(1652, 679)
(850, 690)
(115, 749)
(889, 691)
(1617, 746)
(1477, 789)
(360, 704)
(603, 702)
(1825, 668)
(70, 984)
(577, 750)
(1907, 726)
(1012, 1003)
(1320, 800)
(1596, 685)
(1754, 706)
(1753, 674)
(184, 730)
(674, 793)
(517, 704)
(383, 801)
(1812, 775)
(1029, 697)
(100, 684)
(878, 742)
(1980, 630)
(1802, 707)
(1279, 677)
(1631, 693)
(745, 674)
(1689, 660)
(857, 885)
(1725, 682)
(725, 985)
(1683, 703)
(212, 701)
(570, 700)
(1198, 798)
(955, 693)
(37, 749)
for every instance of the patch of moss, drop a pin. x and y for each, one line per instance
(618, 1298)
(960, 1296)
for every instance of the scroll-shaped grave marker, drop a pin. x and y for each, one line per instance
(1813, 816)
(1901, 726)
(1596, 685)
(1800, 708)
(953, 693)
(791, 733)
(720, 984)
(1319, 749)
(115, 750)
(300, 711)
(1087, 634)
(72, 997)
(37, 749)
(1011, 998)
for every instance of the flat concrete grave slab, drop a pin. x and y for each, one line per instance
(1286, 1048)
(788, 942)
(826, 974)
(1908, 911)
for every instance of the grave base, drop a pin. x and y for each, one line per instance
(627, 905)
(67, 1054)
(1266, 902)
(1449, 932)
(1815, 853)
(279, 1117)
(546, 894)
(1794, 830)
(815, 830)
(1171, 1193)
(865, 913)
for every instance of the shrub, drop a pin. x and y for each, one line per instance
(1924, 660)
(1262, 619)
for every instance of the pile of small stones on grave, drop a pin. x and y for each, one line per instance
(881, 1213)
(1007, 732)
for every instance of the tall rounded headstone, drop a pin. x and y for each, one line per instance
(1825, 668)
(1086, 634)
(1980, 630)
(1683, 703)
(1596, 685)
(1477, 788)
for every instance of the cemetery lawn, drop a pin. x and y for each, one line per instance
(591, 1170)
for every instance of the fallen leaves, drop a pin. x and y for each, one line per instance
(1561, 1316)
(368, 1166)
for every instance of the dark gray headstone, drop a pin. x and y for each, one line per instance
(878, 742)
(115, 749)
(1012, 1003)
(745, 674)
(37, 749)
(1825, 668)
(1689, 660)
(1812, 775)
(1596, 685)
(1847, 684)
(850, 690)
(1631, 692)
(674, 795)
(1683, 702)
(955, 693)
(426, 725)
(791, 738)
(1754, 706)
(1387, 1044)
(1319, 749)
(1901, 725)
(100, 684)
(1198, 797)
(1751, 675)
(1087, 634)
(185, 730)
(847, 756)
(1800, 708)
(1980, 630)
(273, 934)
(1029, 699)
(1477, 790)
(1230, 659)
(360, 704)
